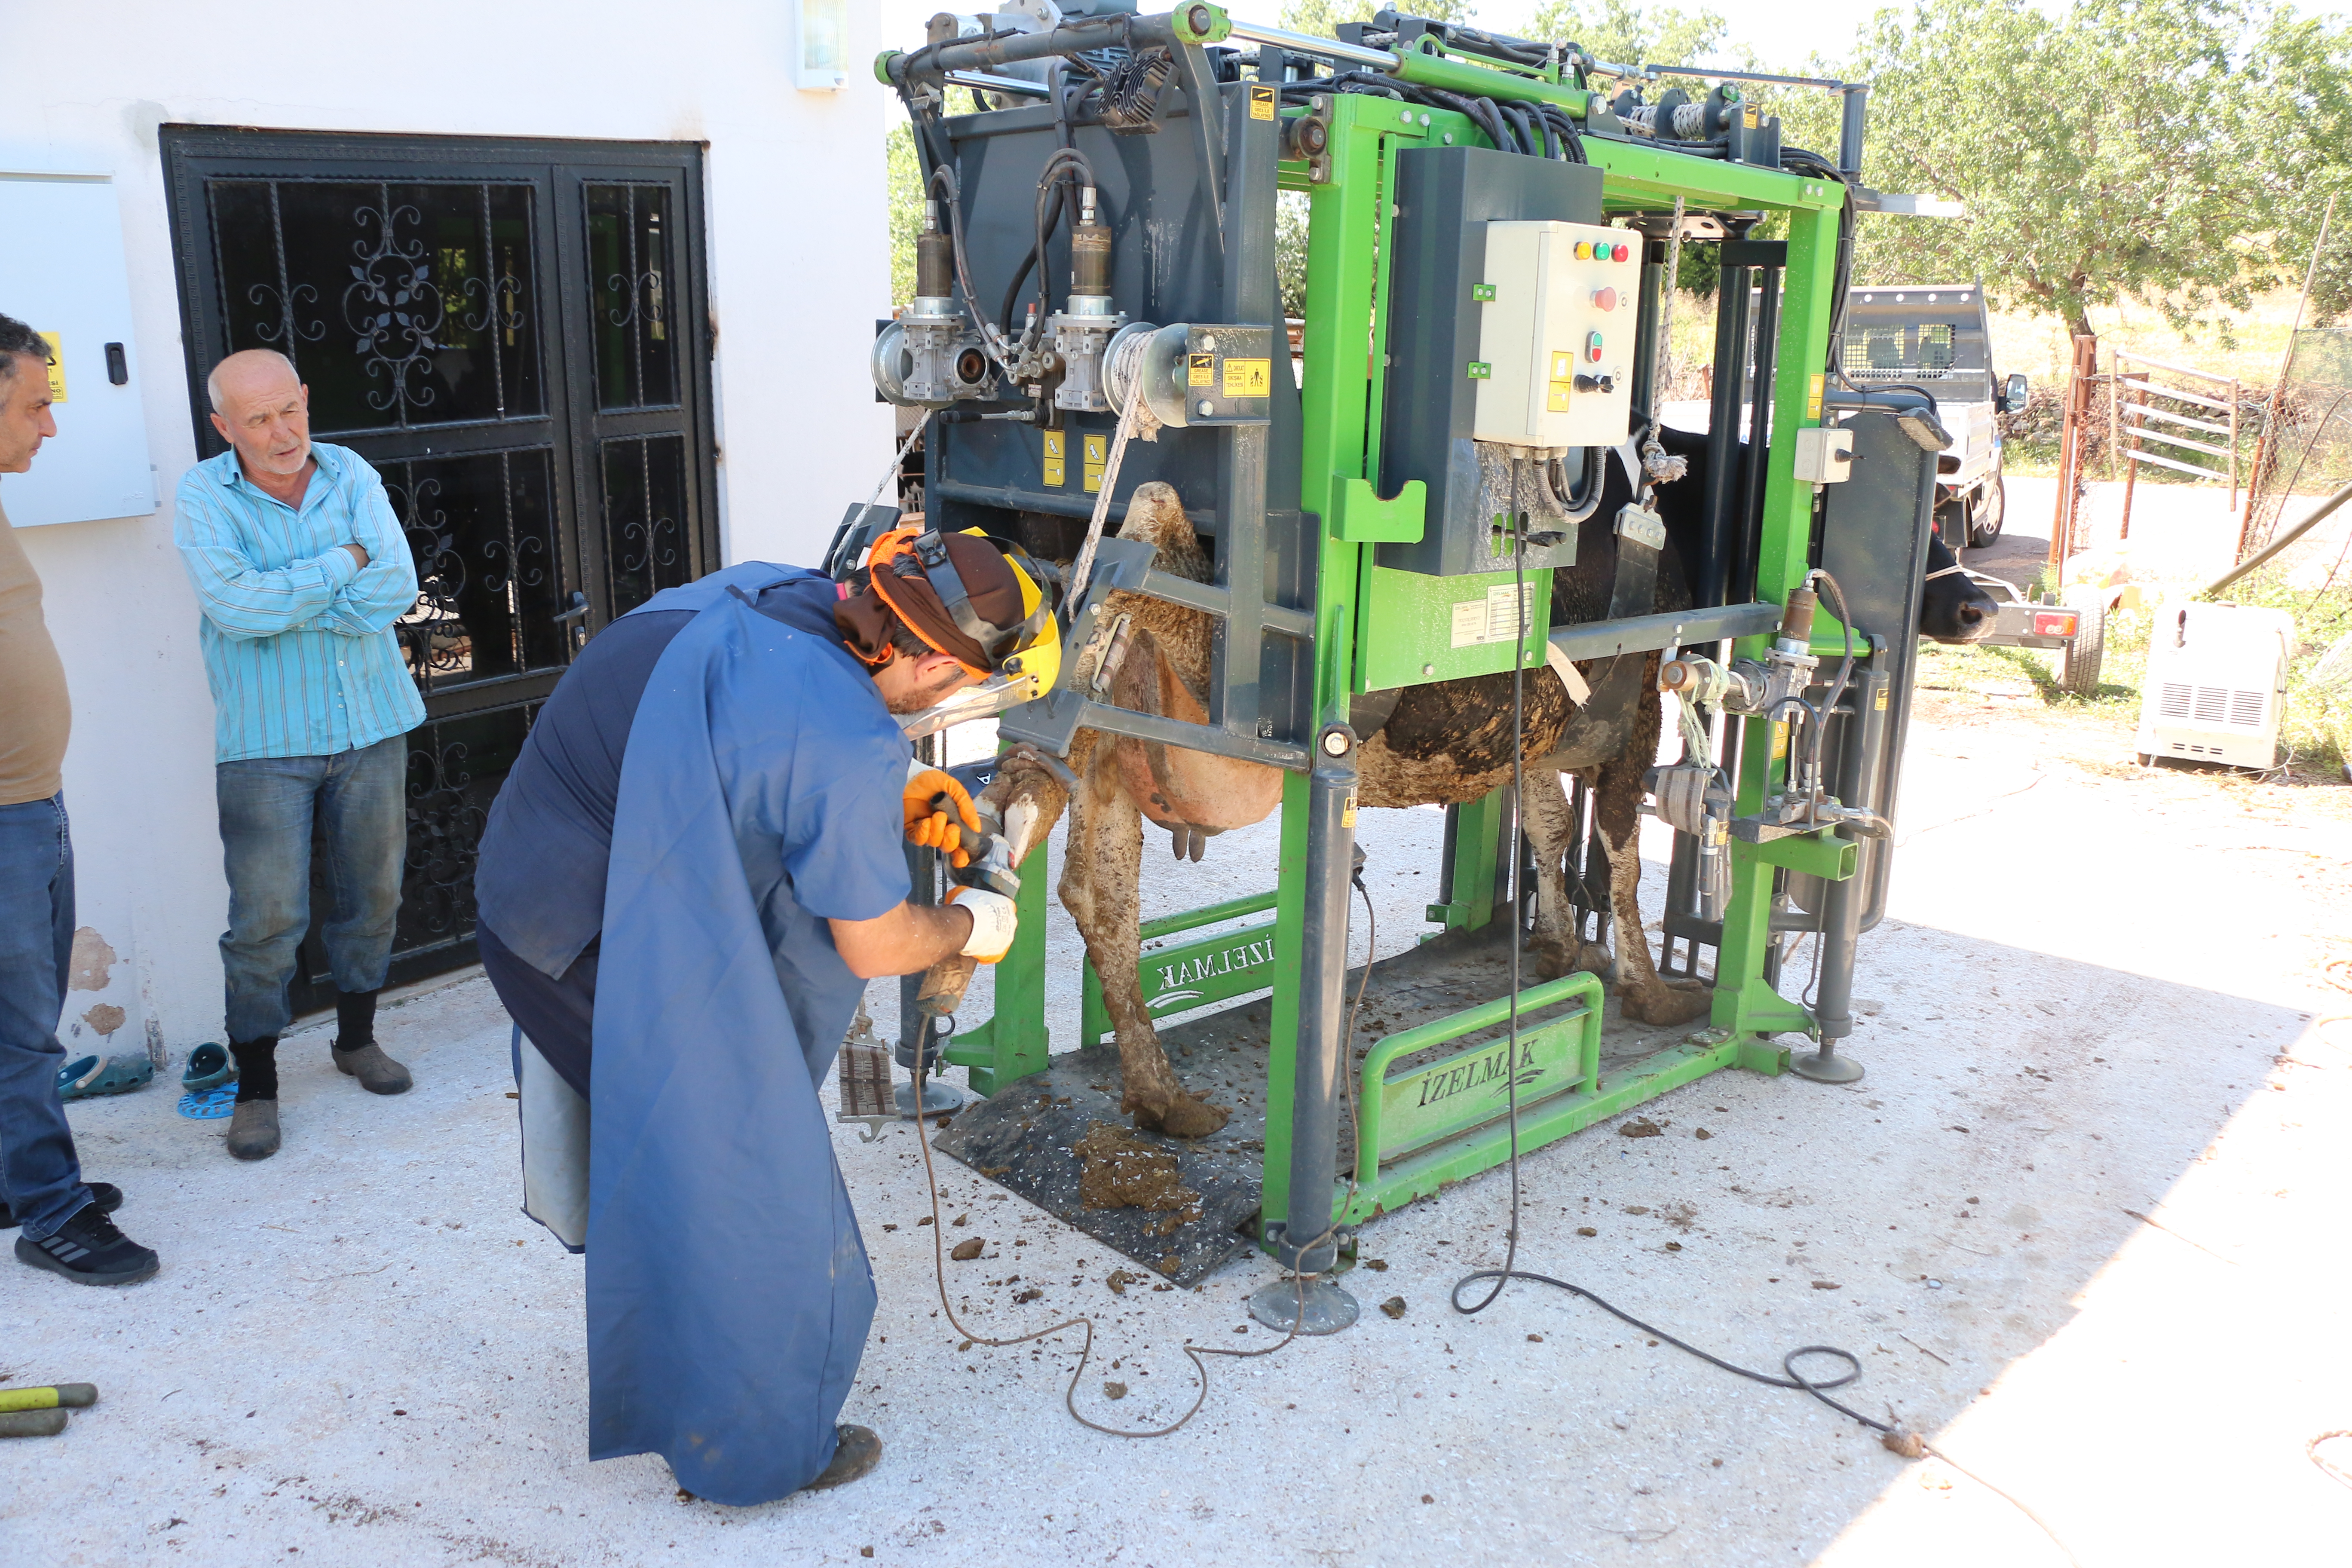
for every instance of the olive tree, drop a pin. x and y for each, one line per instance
(2121, 148)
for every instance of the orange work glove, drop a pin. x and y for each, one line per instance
(932, 822)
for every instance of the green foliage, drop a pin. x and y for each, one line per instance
(1632, 35)
(1322, 18)
(902, 172)
(1290, 251)
(2298, 109)
(2143, 148)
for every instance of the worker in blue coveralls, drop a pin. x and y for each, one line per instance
(689, 875)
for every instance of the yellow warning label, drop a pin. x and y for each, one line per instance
(1814, 398)
(56, 367)
(1200, 370)
(1249, 377)
(1882, 700)
(1563, 366)
(1056, 466)
(1556, 399)
(1752, 120)
(1780, 740)
(1094, 450)
(1261, 102)
(1348, 812)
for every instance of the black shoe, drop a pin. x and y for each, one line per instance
(89, 1250)
(253, 1130)
(377, 1073)
(105, 1194)
(857, 1450)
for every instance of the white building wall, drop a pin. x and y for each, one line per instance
(798, 270)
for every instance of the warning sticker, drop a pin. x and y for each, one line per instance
(1813, 399)
(1200, 370)
(1261, 102)
(1477, 622)
(1249, 378)
(1094, 449)
(56, 367)
(1056, 465)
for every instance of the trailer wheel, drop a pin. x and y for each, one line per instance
(2084, 652)
(1984, 524)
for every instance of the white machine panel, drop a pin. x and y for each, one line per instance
(1556, 335)
(61, 274)
(2216, 684)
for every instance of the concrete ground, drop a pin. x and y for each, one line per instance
(2081, 1222)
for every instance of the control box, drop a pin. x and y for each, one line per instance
(1443, 342)
(1556, 335)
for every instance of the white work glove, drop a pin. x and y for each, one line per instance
(994, 918)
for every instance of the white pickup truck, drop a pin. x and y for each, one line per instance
(1935, 338)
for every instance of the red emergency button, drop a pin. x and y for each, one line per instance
(1593, 346)
(1620, 253)
(1604, 298)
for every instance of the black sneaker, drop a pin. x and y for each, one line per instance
(105, 1194)
(89, 1250)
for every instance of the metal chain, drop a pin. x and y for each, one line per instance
(897, 462)
(1656, 463)
(1081, 569)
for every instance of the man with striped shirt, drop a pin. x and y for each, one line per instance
(302, 569)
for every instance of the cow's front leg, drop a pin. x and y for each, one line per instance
(1101, 887)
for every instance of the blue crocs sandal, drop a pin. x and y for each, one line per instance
(209, 1082)
(208, 1065)
(103, 1075)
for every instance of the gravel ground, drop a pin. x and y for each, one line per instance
(2078, 1223)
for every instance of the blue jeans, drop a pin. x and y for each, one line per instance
(38, 1173)
(268, 806)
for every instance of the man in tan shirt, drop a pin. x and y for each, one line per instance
(63, 1223)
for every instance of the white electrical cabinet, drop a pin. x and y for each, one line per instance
(61, 273)
(1556, 335)
(2216, 684)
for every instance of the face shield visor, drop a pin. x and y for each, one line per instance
(1022, 655)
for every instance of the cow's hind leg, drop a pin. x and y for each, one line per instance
(1646, 997)
(1101, 887)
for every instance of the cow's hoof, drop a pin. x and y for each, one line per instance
(1553, 957)
(1594, 958)
(1183, 1117)
(1668, 1005)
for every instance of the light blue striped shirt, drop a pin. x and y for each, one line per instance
(297, 640)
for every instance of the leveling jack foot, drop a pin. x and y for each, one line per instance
(1329, 1307)
(938, 1098)
(1825, 1066)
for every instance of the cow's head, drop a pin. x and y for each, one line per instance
(1951, 608)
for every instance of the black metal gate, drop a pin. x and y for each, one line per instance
(517, 335)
